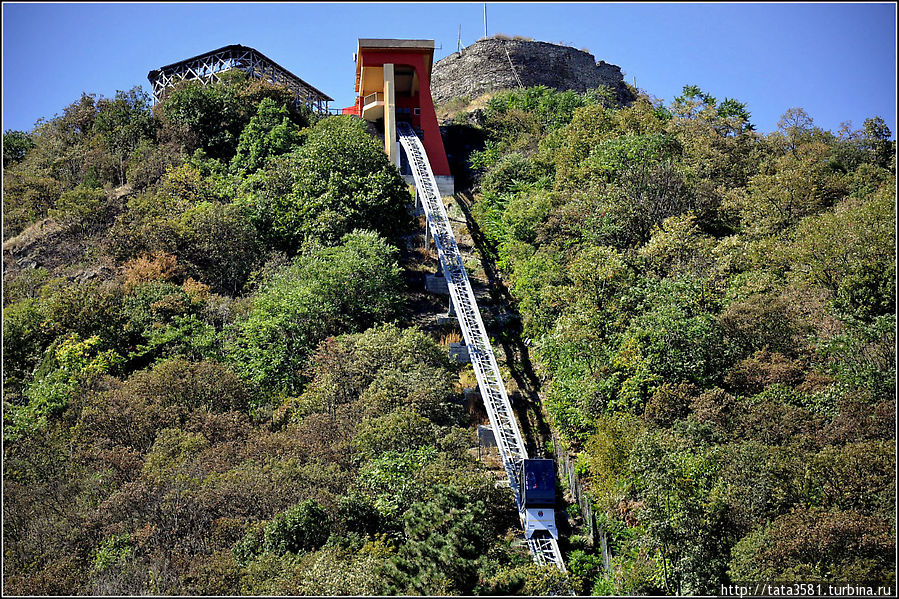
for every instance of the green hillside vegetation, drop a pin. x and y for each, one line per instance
(211, 384)
(713, 312)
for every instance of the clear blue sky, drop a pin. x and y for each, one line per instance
(835, 60)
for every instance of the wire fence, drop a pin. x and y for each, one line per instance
(597, 535)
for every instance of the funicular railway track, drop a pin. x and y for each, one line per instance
(543, 547)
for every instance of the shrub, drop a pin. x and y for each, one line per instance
(325, 292)
(753, 374)
(26, 198)
(84, 208)
(303, 527)
(161, 266)
(398, 431)
(811, 544)
(218, 245)
(669, 402)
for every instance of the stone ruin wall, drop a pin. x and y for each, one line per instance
(484, 66)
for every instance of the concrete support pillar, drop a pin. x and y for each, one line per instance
(390, 115)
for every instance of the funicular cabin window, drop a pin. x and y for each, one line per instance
(539, 483)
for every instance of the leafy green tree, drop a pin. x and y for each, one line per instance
(876, 141)
(67, 149)
(26, 199)
(393, 479)
(208, 117)
(68, 368)
(445, 537)
(693, 102)
(730, 117)
(553, 108)
(797, 127)
(301, 528)
(533, 580)
(381, 380)
(218, 245)
(337, 181)
(681, 514)
(15, 146)
(400, 430)
(163, 321)
(328, 291)
(83, 207)
(733, 109)
(637, 181)
(269, 133)
(789, 187)
(863, 356)
(676, 247)
(123, 122)
(23, 341)
(212, 117)
(59, 309)
(850, 252)
(356, 514)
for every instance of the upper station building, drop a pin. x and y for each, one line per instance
(393, 84)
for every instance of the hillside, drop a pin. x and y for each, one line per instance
(222, 374)
(712, 315)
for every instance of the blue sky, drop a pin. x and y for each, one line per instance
(835, 60)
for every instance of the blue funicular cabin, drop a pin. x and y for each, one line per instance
(538, 496)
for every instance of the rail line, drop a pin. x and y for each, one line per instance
(543, 547)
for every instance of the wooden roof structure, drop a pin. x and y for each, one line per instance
(206, 67)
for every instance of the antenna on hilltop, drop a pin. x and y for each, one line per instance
(459, 40)
(485, 20)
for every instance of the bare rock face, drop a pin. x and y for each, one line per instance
(497, 63)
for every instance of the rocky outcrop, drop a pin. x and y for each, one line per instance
(497, 63)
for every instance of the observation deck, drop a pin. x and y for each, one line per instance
(208, 66)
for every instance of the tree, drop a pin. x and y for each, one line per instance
(850, 252)
(218, 245)
(337, 181)
(67, 368)
(680, 513)
(207, 117)
(123, 122)
(876, 141)
(732, 109)
(83, 207)
(400, 430)
(212, 117)
(303, 527)
(389, 377)
(812, 544)
(269, 133)
(327, 291)
(445, 540)
(15, 146)
(796, 126)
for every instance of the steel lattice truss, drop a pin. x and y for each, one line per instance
(207, 67)
(544, 549)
